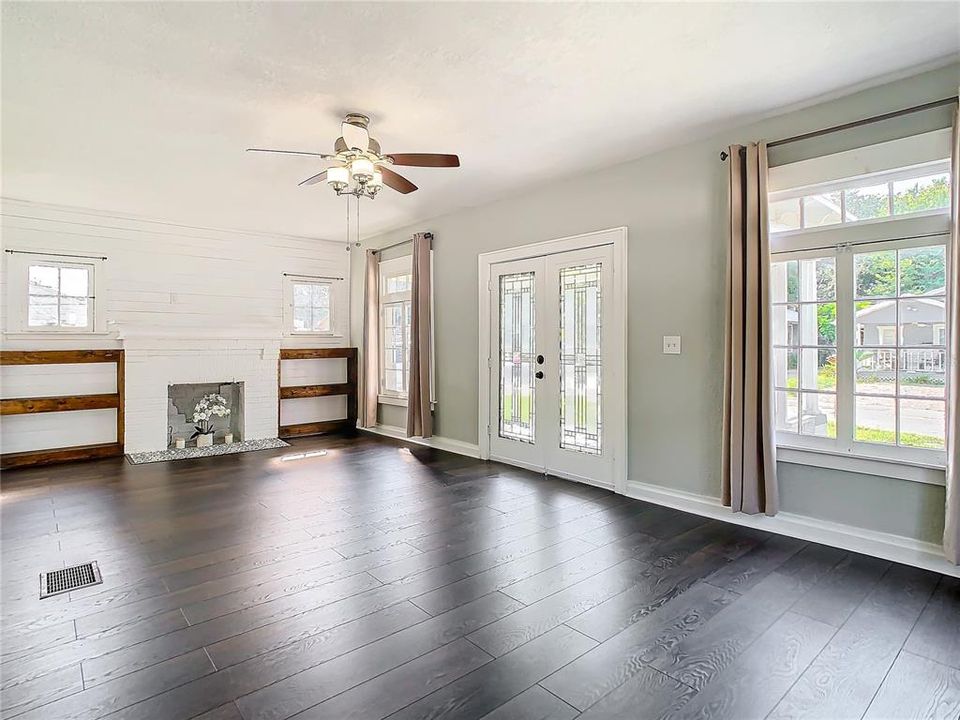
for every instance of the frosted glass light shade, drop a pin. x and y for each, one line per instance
(361, 169)
(376, 180)
(338, 176)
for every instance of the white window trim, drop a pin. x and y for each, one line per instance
(335, 330)
(861, 463)
(909, 152)
(17, 280)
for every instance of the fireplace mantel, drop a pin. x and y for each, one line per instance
(200, 343)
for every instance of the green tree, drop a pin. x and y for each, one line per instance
(865, 206)
(934, 195)
(876, 274)
(922, 270)
(827, 323)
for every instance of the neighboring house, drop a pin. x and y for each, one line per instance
(922, 319)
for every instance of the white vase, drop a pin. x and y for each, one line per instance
(181, 443)
(205, 440)
(228, 438)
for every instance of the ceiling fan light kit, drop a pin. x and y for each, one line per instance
(359, 168)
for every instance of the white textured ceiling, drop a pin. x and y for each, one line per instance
(146, 108)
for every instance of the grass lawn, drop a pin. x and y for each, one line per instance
(876, 435)
(506, 411)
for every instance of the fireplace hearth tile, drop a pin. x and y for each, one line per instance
(202, 452)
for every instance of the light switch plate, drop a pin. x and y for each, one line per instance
(671, 344)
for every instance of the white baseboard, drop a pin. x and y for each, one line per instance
(555, 473)
(441, 443)
(869, 542)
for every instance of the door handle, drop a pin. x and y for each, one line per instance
(539, 375)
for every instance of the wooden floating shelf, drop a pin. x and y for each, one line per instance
(304, 391)
(63, 403)
(58, 357)
(316, 428)
(35, 458)
(317, 353)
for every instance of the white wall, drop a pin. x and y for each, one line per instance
(674, 206)
(165, 283)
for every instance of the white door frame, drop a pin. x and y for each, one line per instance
(616, 424)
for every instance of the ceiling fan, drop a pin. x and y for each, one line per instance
(359, 168)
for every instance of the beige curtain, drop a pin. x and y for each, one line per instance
(749, 454)
(419, 419)
(370, 343)
(951, 533)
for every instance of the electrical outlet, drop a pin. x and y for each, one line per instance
(671, 344)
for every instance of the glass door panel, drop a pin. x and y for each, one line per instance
(581, 361)
(517, 360)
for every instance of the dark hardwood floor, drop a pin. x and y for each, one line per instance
(391, 581)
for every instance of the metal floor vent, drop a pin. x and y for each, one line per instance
(71, 578)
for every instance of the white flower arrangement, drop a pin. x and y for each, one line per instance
(210, 407)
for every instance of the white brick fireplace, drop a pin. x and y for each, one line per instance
(152, 364)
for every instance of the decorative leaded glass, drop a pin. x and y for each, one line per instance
(580, 359)
(517, 357)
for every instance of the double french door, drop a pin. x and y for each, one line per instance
(556, 364)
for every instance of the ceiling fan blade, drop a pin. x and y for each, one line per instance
(313, 180)
(397, 182)
(425, 160)
(290, 152)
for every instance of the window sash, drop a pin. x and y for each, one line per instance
(389, 270)
(846, 394)
(59, 297)
(405, 307)
(292, 284)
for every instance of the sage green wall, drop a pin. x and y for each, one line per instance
(673, 204)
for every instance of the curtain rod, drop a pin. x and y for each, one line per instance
(313, 277)
(858, 243)
(856, 123)
(398, 244)
(49, 254)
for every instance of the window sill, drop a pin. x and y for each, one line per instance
(883, 467)
(49, 334)
(399, 401)
(308, 334)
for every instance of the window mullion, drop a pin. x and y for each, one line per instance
(845, 350)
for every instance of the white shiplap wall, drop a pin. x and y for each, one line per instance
(163, 280)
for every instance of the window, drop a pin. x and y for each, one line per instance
(876, 197)
(395, 313)
(49, 295)
(859, 313)
(310, 304)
